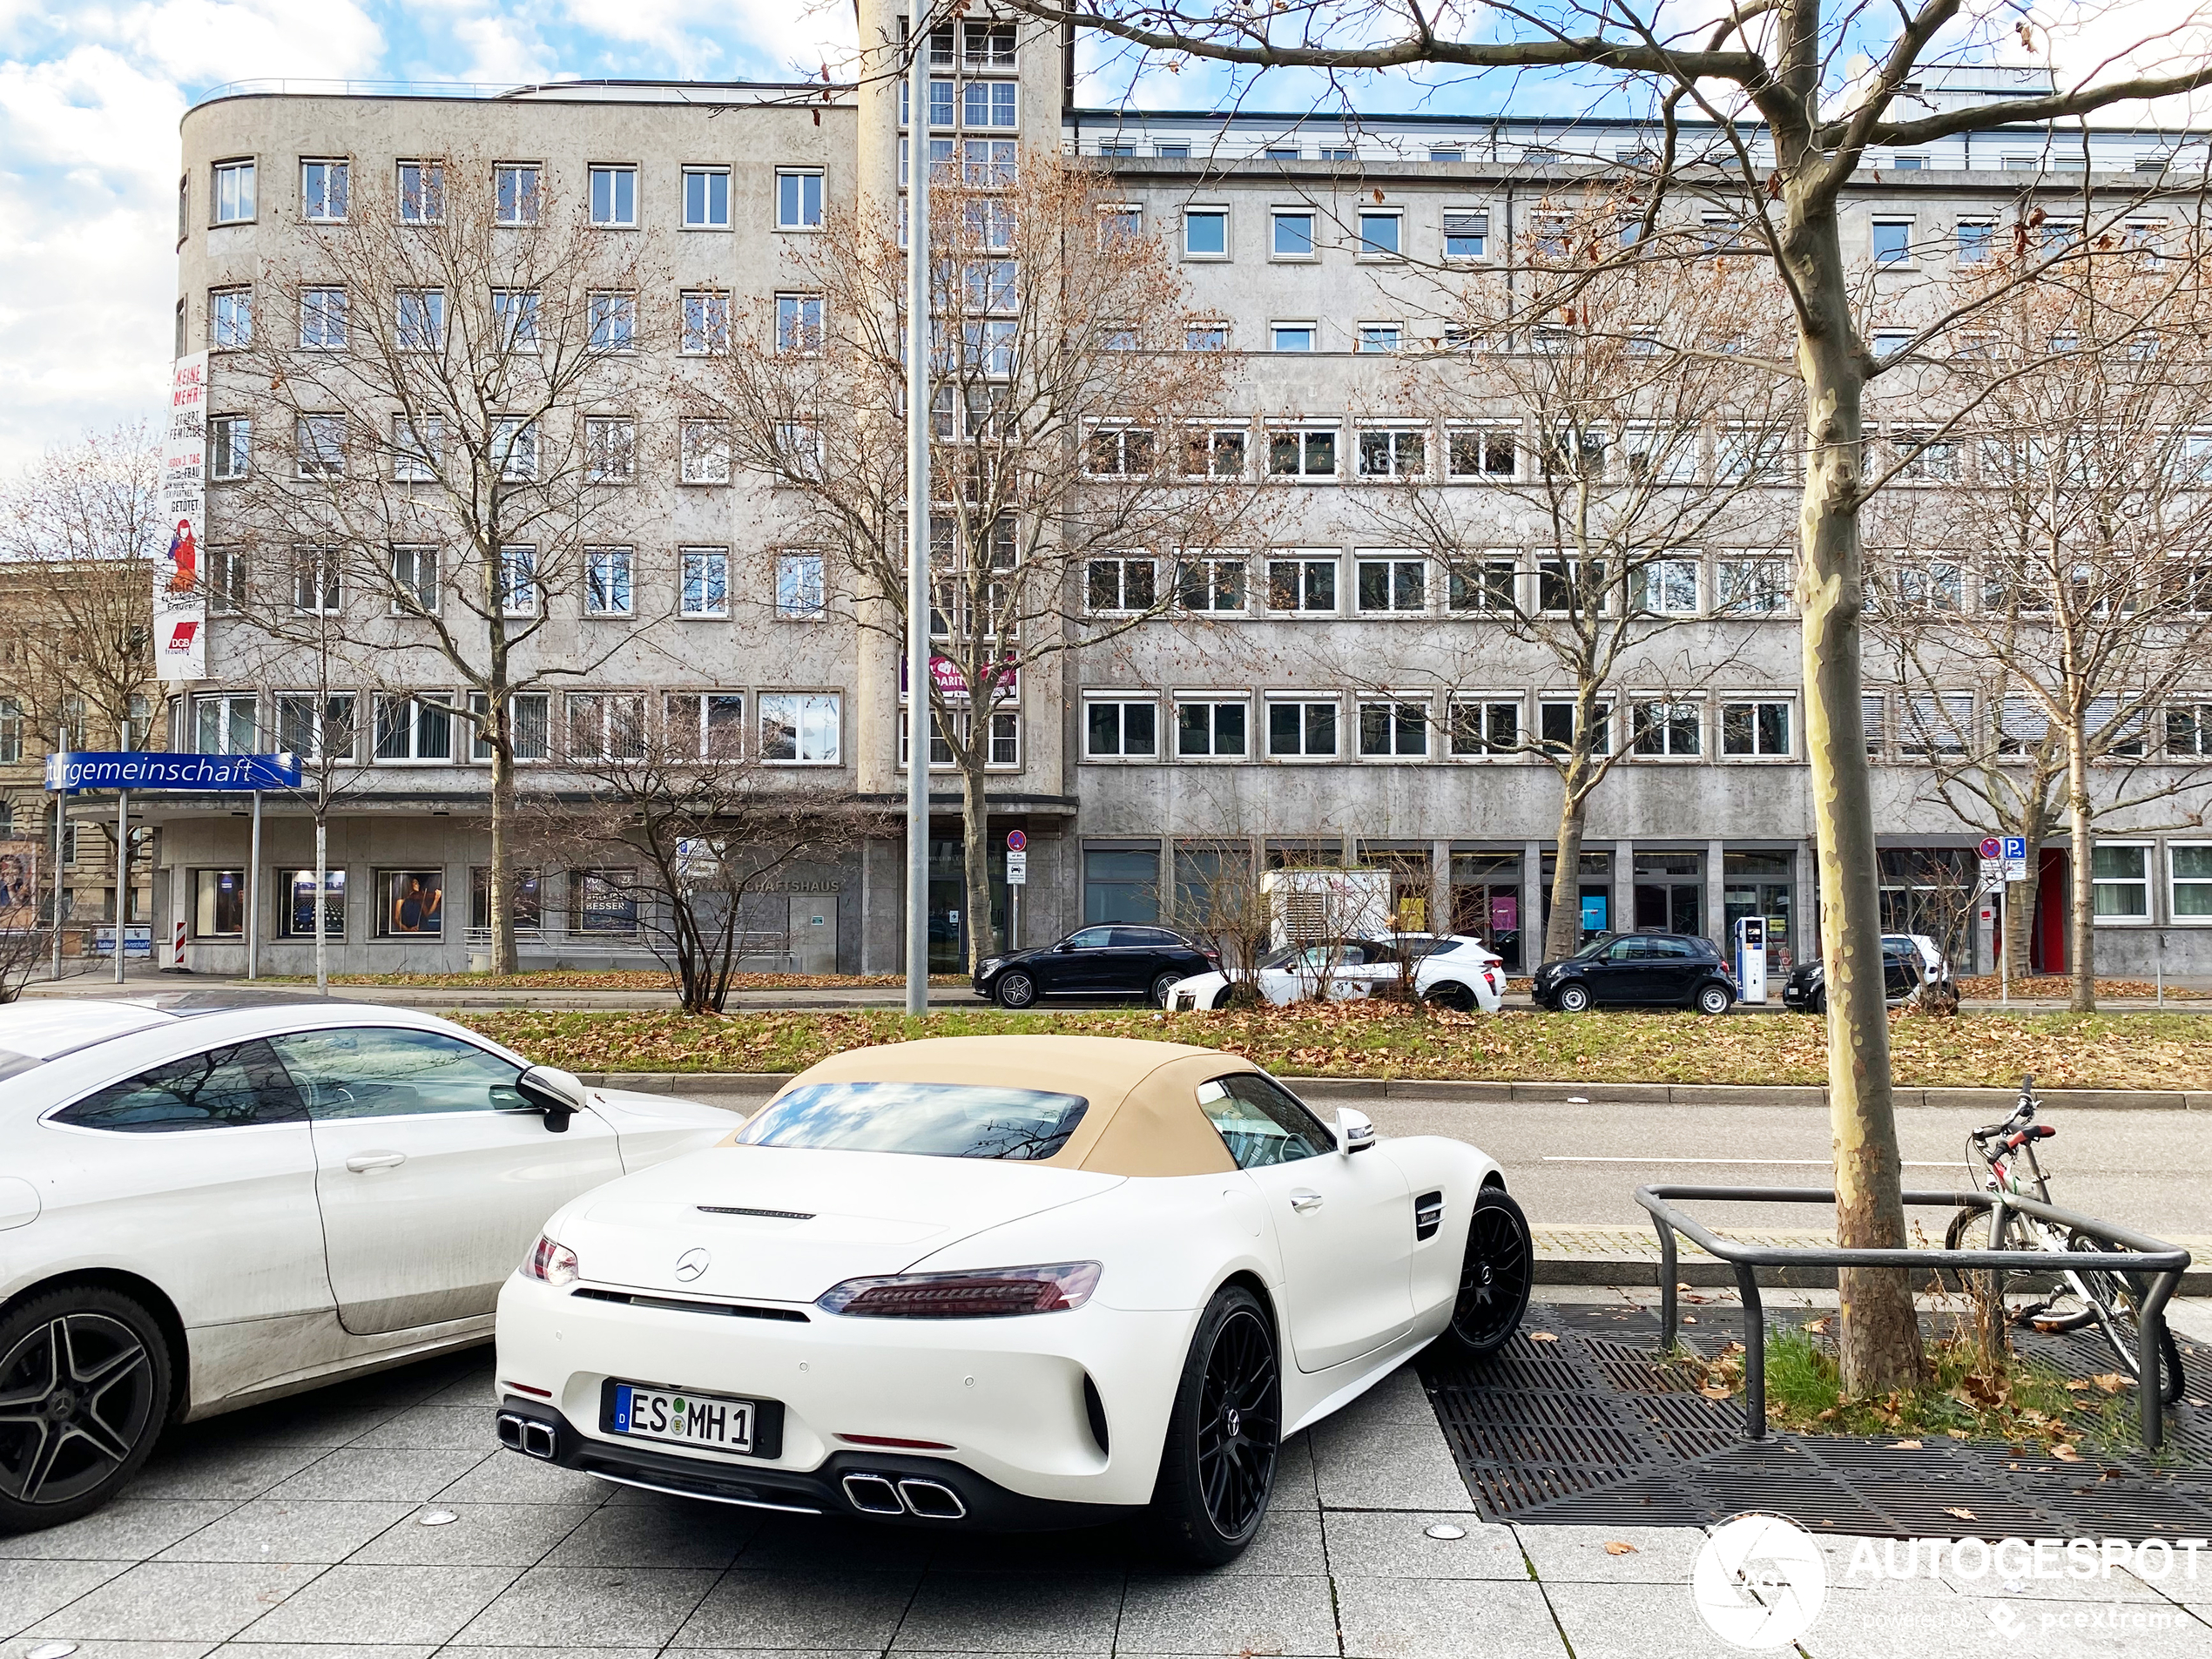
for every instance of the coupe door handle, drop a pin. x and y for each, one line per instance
(1304, 1199)
(362, 1162)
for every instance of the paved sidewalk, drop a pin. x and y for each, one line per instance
(310, 1530)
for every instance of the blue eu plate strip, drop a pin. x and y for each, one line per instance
(622, 1408)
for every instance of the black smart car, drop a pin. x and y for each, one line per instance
(1902, 968)
(1679, 970)
(1109, 959)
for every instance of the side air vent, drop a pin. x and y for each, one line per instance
(764, 1214)
(1428, 1214)
(727, 1310)
(1094, 1411)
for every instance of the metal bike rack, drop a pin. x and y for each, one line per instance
(2137, 1253)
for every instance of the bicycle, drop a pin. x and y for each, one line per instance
(2002, 1156)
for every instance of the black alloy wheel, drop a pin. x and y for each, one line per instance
(1162, 986)
(84, 1388)
(1452, 995)
(1218, 1466)
(1496, 1278)
(1017, 990)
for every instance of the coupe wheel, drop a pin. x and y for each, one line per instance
(1453, 995)
(84, 1388)
(1573, 999)
(1218, 1466)
(1016, 991)
(1714, 999)
(1495, 1278)
(1162, 987)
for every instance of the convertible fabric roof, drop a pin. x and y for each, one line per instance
(1143, 1119)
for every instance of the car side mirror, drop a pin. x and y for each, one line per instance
(1064, 946)
(557, 1093)
(1355, 1131)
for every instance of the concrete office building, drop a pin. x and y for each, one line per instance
(1110, 778)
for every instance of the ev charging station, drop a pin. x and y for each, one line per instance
(1751, 959)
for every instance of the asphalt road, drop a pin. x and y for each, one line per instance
(1583, 1164)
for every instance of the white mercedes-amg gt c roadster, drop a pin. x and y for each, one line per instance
(1003, 1281)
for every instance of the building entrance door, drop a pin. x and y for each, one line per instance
(1669, 893)
(1486, 901)
(1759, 884)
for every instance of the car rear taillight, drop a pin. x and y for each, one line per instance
(986, 1292)
(554, 1263)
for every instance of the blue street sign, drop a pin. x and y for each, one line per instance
(2016, 846)
(125, 769)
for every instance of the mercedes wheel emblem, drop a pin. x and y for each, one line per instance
(691, 1264)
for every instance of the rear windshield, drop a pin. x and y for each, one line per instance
(924, 1120)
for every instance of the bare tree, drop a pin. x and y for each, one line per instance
(443, 407)
(1078, 465)
(679, 824)
(1791, 95)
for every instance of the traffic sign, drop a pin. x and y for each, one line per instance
(1017, 868)
(1017, 841)
(1992, 849)
(2016, 858)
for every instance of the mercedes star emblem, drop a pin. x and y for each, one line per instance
(690, 1265)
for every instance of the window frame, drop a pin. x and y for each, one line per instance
(1122, 703)
(338, 168)
(1479, 741)
(229, 170)
(1213, 703)
(707, 172)
(1276, 219)
(1303, 433)
(1758, 703)
(527, 196)
(2144, 880)
(1301, 563)
(1369, 252)
(796, 176)
(615, 173)
(619, 590)
(422, 710)
(708, 609)
(1219, 216)
(1397, 563)
(1396, 719)
(836, 702)
(2175, 883)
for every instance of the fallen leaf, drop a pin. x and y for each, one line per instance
(2066, 1453)
(1682, 1287)
(1906, 1446)
(1616, 1547)
(1716, 1391)
(1963, 1515)
(1542, 1336)
(2113, 1383)
(1689, 1318)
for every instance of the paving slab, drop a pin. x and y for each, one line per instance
(177, 1601)
(616, 1606)
(1226, 1614)
(1397, 1545)
(130, 1530)
(479, 1534)
(975, 1612)
(376, 1604)
(826, 1607)
(1447, 1619)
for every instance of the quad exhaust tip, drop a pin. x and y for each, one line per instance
(880, 1494)
(527, 1435)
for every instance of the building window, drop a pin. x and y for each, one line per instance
(988, 45)
(2120, 883)
(230, 447)
(1119, 887)
(799, 199)
(613, 321)
(606, 726)
(1555, 727)
(1761, 729)
(1003, 753)
(1121, 451)
(1570, 586)
(1379, 236)
(1668, 588)
(1292, 236)
(710, 724)
(1124, 730)
(1121, 584)
(606, 581)
(226, 580)
(604, 902)
(1206, 336)
(1466, 235)
(1214, 452)
(322, 319)
(515, 192)
(613, 196)
(989, 103)
(1393, 454)
(706, 199)
(420, 322)
(323, 191)
(1393, 731)
(315, 587)
(1308, 586)
(414, 728)
(1393, 584)
(10, 731)
(422, 193)
(1211, 730)
(1206, 233)
(1486, 585)
(221, 724)
(1209, 584)
(415, 580)
(297, 916)
(1302, 730)
(1941, 725)
(706, 322)
(800, 596)
(518, 580)
(418, 448)
(1374, 337)
(529, 725)
(230, 319)
(1753, 587)
(1486, 727)
(984, 161)
(1893, 241)
(1975, 239)
(515, 446)
(800, 728)
(1293, 336)
(2190, 867)
(1483, 452)
(705, 452)
(799, 323)
(1309, 453)
(233, 193)
(410, 904)
(706, 582)
(2188, 730)
(219, 904)
(609, 450)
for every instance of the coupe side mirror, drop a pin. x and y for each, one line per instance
(1063, 946)
(557, 1093)
(1355, 1131)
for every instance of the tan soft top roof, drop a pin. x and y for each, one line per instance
(1143, 1119)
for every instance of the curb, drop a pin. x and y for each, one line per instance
(711, 1085)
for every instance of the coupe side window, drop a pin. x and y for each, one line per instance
(371, 1071)
(233, 1088)
(1260, 1122)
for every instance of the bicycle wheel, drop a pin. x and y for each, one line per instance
(2113, 1299)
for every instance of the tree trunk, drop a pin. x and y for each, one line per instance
(1563, 932)
(322, 881)
(2017, 959)
(1880, 1340)
(504, 958)
(976, 853)
(2082, 892)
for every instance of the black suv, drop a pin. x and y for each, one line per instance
(1903, 969)
(1111, 959)
(1678, 970)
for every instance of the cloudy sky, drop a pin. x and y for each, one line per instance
(90, 91)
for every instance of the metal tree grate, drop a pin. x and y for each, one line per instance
(1586, 1427)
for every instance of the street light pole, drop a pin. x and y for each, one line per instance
(918, 685)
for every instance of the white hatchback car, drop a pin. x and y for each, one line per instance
(1450, 970)
(212, 1198)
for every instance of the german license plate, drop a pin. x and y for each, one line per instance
(688, 1419)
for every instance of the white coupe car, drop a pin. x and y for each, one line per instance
(212, 1198)
(1449, 969)
(1003, 1281)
